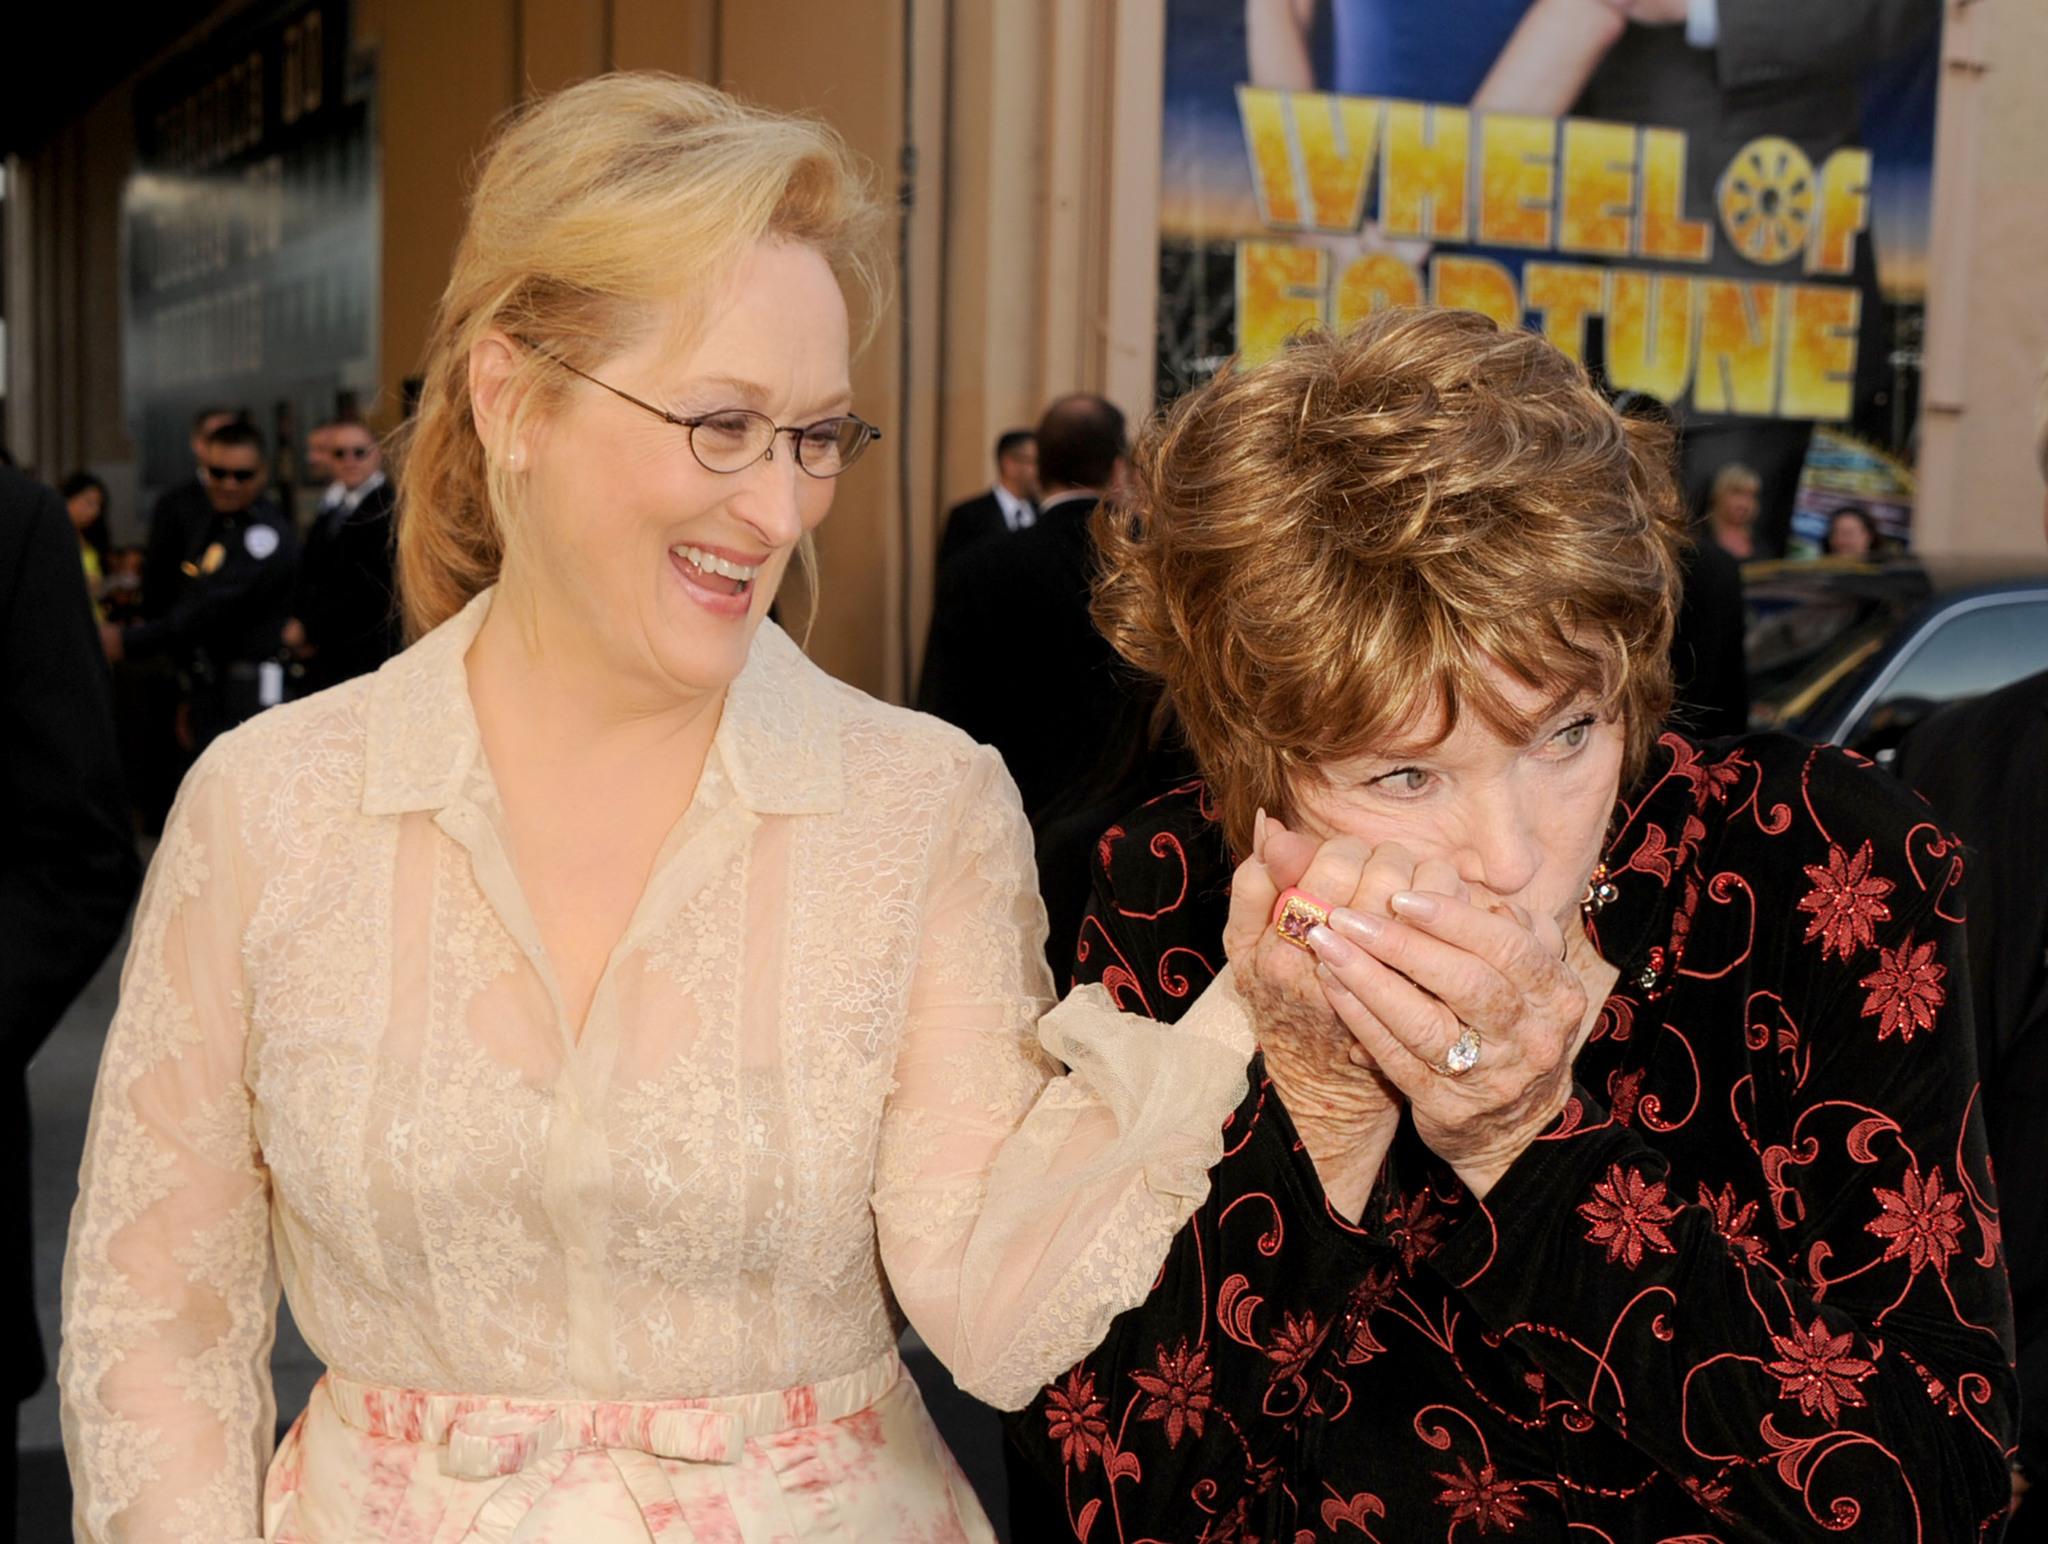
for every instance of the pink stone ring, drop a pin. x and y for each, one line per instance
(1297, 912)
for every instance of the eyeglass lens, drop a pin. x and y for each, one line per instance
(734, 441)
(239, 474)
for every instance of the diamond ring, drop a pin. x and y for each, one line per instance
(1462, 1056)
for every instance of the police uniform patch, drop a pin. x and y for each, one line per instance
(259, 541)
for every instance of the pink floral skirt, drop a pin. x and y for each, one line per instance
(855, 1458)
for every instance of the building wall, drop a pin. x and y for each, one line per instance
(1987, 316)
(63, 304)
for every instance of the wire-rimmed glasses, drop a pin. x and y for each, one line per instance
(734, 438)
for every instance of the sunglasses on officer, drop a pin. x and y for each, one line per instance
(229, 474)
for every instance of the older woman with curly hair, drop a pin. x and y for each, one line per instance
(1611, 1167)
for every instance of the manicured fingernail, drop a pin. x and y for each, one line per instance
(1358, 926)
(1328, 946)
(1259, 835)
(1418, 908)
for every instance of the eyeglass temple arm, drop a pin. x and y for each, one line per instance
(874, 434)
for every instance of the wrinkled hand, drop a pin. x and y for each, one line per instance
(1343, 1107)
(1407, 982)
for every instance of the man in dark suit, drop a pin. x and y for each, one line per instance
(1008, 507)
(1013, 656)
(343, 621)
(1983, 765)
(67, 865)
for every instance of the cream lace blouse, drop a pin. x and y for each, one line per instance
(810, 1089)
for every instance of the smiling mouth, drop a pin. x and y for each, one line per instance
(719, 575)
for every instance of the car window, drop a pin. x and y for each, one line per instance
(1965, 654)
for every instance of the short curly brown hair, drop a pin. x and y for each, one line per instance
(1324, 550)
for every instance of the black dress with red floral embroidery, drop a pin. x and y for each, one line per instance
(1747, 1287)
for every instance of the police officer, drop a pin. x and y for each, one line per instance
(224, 629)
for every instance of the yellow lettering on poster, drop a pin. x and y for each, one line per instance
(1649, 332)
(1598, 205)
(1264, 115)
(1517, 179)
(1843, 213)
(1665, 231)
(1339, 138)
(1566, 294)
(1281, 290)
(1475, 284)
(1424, 171)
(1820, 350)
(1373, 283)
(1738, 370)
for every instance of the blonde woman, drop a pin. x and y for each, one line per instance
(607, 1027)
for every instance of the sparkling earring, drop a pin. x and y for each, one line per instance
(1599, 891)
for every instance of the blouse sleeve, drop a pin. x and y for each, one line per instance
(1020, 1211)
(169, 1285)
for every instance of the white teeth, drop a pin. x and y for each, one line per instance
(716, 565)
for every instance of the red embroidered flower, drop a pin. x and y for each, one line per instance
(1360, 1344)
(1905, 989)
(1293, 1346)
(1483, 1499)
(1180, 1391)
(1627, 1215)
(1413, 1230)
(1816, 1369)
(1716, 782)
(1846, 900)
(1074, 1418)
(1920, 1222)
(1733, 1223)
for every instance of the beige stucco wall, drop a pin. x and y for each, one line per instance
(1987, 321)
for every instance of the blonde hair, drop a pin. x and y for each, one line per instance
(1325, 549)
(590, 206)
(1732, 478)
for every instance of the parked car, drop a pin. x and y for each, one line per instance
(1857, 653)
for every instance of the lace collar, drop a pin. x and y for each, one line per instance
(777, 738)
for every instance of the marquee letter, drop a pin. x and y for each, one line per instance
(1280, 291)
(1666, 232)
(1649, 332)
(1426, 159)
(1517, 179)
(1820, 350)
(1566, 294)
(1738, 348)
(1599, 187)
(1475, 284)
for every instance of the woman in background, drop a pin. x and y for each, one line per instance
(1852, 533)
(1732, 510)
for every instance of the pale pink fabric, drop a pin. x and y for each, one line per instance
(854, 1459)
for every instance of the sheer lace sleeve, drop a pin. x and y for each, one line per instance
(169, 1289)
(1018, 1211)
